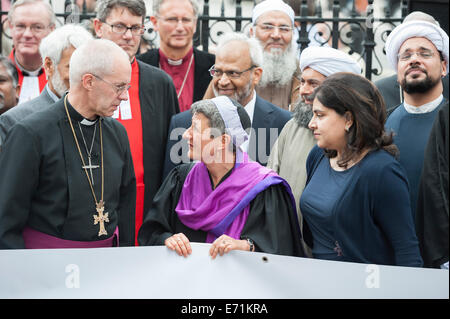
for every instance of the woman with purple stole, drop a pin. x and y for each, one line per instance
(223, 198)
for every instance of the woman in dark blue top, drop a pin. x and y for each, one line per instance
(356, 201)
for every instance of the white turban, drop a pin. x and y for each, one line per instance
(413, 29)
(272, 5)
(328, 61)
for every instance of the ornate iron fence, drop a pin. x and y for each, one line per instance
(362, 35)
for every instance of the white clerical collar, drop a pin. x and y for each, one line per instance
(426, 108)
(89, 122)
(250, 107)
(175, 62)
(28, 73)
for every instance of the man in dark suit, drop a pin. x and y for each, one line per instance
(56, 64)
(176, 21)
(235, 74)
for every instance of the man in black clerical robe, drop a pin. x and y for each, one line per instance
(50, 160)
(432, 204)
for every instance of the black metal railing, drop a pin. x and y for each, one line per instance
(356, 33)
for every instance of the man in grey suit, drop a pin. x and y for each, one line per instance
(235, 74)
(56, 50)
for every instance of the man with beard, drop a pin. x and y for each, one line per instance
(56, 50)
(9, 85)
(389, 86)
(236, 73)
(290, 151)
(272, 26)
(419, 51)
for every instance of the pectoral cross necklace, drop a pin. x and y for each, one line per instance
(102, 217)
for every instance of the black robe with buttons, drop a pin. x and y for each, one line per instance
(43, 185)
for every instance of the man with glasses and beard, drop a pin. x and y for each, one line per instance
(236, 73)
(290, 151)
(56, 50)
(272, 26)
(419, 51)
(389, 86)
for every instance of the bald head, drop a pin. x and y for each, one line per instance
(107, 54)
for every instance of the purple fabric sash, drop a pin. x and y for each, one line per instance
(37, 240)
(225, 209)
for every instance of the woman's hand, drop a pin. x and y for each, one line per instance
(180, 243)
(224, 244)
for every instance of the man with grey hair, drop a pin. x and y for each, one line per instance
(236, 73)
(56, 50)
(30, 21)
(176, 22)
(9, 85)
(67, 177)
(152, 98)
(273, 25)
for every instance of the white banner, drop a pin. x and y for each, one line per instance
(157, 272)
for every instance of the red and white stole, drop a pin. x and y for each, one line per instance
(129, 114)
(30, 86)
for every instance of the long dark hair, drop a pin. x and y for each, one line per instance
(348, 92)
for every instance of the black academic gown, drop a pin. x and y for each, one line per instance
(43, 185)
(271, 223)
(432, 214)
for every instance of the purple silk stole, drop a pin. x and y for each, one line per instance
(225, 209)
